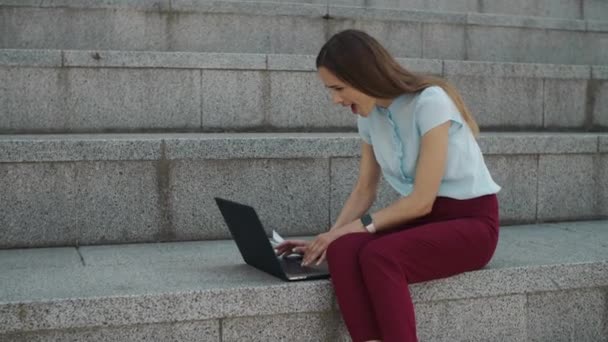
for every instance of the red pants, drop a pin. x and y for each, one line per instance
(371, 272)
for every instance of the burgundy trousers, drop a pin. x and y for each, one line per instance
(371, 272)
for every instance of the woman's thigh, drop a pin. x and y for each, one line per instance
(438, 249)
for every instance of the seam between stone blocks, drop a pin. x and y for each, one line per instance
(536, 218)
(202, 98)
(221, 331)
(544, 121)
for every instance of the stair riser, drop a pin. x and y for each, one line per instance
(161, 191)
(517, 317)
(268, 29)
(273, 94)
(569, 9)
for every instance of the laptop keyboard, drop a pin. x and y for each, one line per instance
(293, 266)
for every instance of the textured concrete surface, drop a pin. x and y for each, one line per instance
(262, 30)
(92, 189)
(300, 327)
(570, 9)
(164, 332)
(123, 92)
(45, 204)
(576, 192)
(487, 319)
(518, 178)
(126, 285)
(289, 195)
(577, 315)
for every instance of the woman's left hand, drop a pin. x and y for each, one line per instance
(315, 252)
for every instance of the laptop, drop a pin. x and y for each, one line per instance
(256, 249)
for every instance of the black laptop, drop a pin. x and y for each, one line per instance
(256, 249)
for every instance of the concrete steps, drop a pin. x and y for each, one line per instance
(568, 9)
(545, 283)
(294, 28)
(54, 91)
(102, 189)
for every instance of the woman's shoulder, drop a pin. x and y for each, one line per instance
(432, 91)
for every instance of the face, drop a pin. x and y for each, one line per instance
(345, 95)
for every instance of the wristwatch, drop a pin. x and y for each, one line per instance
(368, 223)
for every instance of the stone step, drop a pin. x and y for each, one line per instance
(566, 9)
(60, 190)
(300, 29)
(55, 91)
(545, 283)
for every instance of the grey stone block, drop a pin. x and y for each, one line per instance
(537, 143)
(483, 319)
(502, 102)
(595, 9)
(566, 188)
(33, 58)
(74, 147)
(157, 59)
(516, 70)
(599, 72)
(567, 316)
(301, 327)
(598, 54)
(292, 62)
(354, 13)
(301, 101)
(525, 22)
(603, 143)
(603, 180)
(424, 66)
(163, 332)
(539, 8)
(432, 5)
(344, 174)
(518, 178)
(257, 8)
(550, 244)
(106, 29)
(252, 145)
(254, 34)
(529, 45)
(600, 105)
(401, 39)
(597, 26)
(290, 196)
(234, 99)
(222, 252)
(30, 98)
(565, 103)
(91, 4)
(77, 100)
(83, 203)
(32, 258)
(153, 99)
(443, 41)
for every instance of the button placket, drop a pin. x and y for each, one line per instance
(399, 147)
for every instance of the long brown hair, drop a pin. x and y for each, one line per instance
(361, 61)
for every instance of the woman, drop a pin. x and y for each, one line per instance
(417, 131)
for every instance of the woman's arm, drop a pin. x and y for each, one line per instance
(429, 172)
(364, 192)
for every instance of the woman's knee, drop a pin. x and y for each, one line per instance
(372, 254)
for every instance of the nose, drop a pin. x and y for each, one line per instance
(336, 98)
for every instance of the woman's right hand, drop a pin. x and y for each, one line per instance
(292, 246)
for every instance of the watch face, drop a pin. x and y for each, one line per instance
(366, 219)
